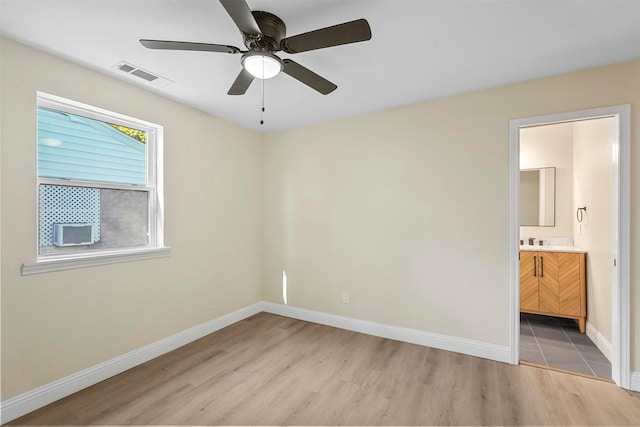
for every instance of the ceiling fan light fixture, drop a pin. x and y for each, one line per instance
(262, 65)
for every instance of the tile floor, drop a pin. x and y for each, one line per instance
(558, 343)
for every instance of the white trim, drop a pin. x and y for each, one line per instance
(24, 403)
(445, 342)
(156, 151)
(92, 260)
(621, 292)
(95, 184)
(600, 341)
(635, 381)
(514, 247)
(85, 110)
(621, 295)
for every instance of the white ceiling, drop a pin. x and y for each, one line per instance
(420, 49)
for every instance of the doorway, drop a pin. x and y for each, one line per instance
(618, 233)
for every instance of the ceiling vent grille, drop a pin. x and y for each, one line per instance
(138, 72)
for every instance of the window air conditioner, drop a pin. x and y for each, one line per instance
(72, 234)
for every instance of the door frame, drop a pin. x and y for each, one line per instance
(621, 287)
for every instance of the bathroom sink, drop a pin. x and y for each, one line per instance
(550, 248)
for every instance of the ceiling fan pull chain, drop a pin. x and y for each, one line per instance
(262, 110)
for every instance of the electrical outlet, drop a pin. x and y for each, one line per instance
(345, 297)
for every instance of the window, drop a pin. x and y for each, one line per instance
(99, 186)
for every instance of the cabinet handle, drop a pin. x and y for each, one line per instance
(535, 267)
(541, 266)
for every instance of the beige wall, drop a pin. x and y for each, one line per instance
(393, 208)
(407, 209)
(56, 324)
(593, 189)
(551, 146)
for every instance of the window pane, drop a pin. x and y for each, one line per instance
(124, 218)
(74, 218)
(98, 175)
(82, 149)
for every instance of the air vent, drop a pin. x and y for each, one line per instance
(142, 74)
(126, 68)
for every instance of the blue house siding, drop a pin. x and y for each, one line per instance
(78, 148)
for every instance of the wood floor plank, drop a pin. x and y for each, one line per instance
(273, 370)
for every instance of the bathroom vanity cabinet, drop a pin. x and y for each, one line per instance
(554, 284)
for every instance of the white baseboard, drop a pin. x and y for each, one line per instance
(24, 403)
(444, 342)
(600, 341)
(635, 381)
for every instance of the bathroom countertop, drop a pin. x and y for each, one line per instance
(551, 248)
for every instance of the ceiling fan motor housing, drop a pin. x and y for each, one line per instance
(273, 30)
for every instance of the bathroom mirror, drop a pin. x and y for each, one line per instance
(538, 197)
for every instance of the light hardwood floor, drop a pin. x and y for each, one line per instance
(272, 370)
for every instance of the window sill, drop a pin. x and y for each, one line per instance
(46, 266)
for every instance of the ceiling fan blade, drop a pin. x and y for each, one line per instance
(203, 47)
(242, 16)
(308, 77)
(349, 32)
(241, 84)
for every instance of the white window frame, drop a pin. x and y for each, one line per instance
(155, 247)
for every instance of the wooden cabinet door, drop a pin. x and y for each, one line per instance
(570, 285)
(548, 281)
(553, 283)
(528, 281)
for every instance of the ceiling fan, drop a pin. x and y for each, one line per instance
(264, 35)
